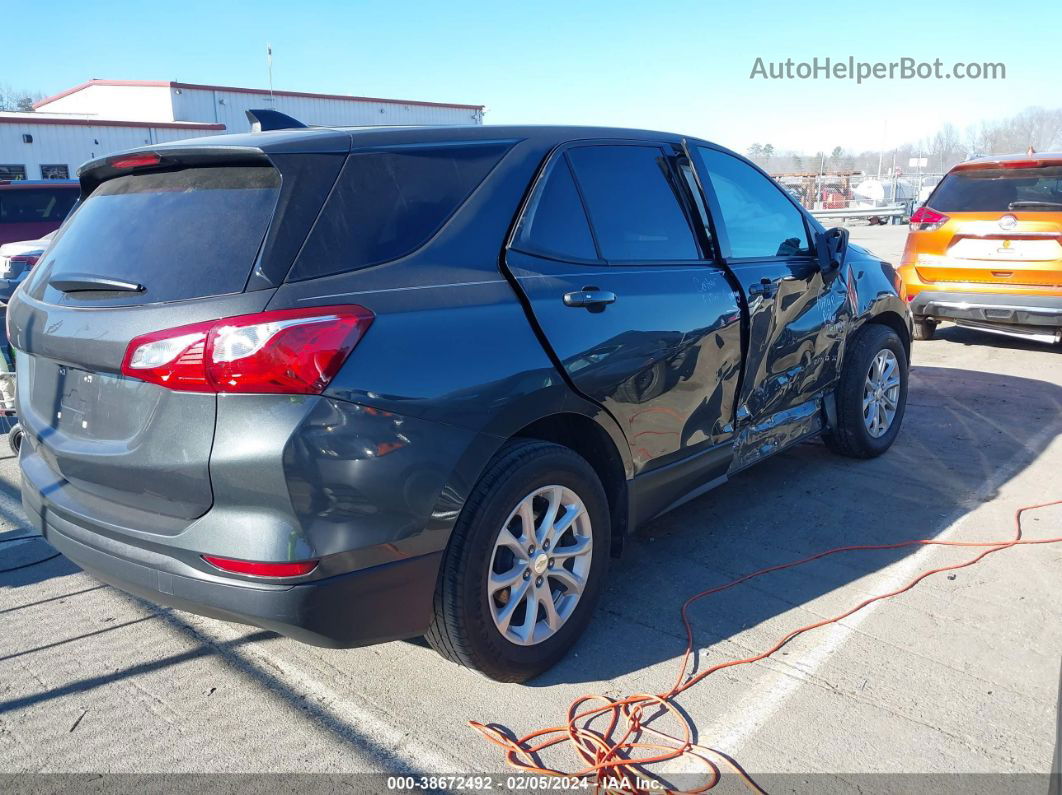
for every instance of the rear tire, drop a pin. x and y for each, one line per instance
(924, 328)
(860, 433)
(467, 627)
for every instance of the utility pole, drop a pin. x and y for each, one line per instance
(881, 152)
(269, 67)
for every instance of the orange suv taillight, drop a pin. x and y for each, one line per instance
(925, 219)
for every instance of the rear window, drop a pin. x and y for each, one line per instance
(34, 205)
(388, 204)
(999, 190)
(182, 234)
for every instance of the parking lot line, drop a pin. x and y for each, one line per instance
(748, 717)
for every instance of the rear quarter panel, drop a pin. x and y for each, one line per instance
(449, 369)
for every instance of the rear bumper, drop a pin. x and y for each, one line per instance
(990, 309)
(370, 494)
(373, 605)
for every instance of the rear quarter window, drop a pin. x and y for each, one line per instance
(388, 204)
(554, 222)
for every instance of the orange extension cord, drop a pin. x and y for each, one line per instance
(610, 763)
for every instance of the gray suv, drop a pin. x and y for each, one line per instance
(355, 385)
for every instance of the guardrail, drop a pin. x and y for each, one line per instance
(892, 211)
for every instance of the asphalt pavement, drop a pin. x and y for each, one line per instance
(958, 678)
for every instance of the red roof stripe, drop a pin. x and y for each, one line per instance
(235, 89)
(175, 125)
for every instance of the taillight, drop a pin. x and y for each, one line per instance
(925, 219)
(28, 260)
(256, 569)
(290, 351)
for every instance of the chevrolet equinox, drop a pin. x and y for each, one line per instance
(355, 385)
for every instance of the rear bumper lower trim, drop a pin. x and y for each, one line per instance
(373, 605)
(1004, 310)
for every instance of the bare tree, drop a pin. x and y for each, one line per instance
(1039, 128)
(1036, 127)
(17, 99)
(945, 150)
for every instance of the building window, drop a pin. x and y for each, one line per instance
(10, 171)
(55, 171)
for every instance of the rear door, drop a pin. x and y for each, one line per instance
(1002, 225)
(613, 256)
(796, 317)
(186, 240)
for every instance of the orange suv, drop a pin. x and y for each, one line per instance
(985, 251)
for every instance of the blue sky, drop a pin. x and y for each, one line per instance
(681, 66)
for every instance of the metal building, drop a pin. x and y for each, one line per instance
(103, 116)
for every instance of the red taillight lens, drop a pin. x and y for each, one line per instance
(925, 219)
(29, 260)
(289, 351)
(135, 161)
(256, 569)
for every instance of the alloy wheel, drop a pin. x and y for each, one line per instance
(539, 565)
(881, 393)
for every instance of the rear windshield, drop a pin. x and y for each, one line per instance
(387, 204)
(33, 205)
(1000, 190)
(182, 234)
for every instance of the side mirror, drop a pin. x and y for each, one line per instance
(831, 247)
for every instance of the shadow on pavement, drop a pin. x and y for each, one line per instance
(960, 442)
(961, 335)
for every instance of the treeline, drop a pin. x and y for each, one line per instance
(1039, 128)
(17, 99)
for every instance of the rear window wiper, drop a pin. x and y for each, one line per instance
(81, 282)
(1024, 205)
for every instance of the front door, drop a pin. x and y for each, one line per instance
(796, 315)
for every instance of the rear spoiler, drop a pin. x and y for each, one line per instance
(1031, 161)
(242, 148)
(102, 169)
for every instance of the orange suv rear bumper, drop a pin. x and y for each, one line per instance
(992, 307)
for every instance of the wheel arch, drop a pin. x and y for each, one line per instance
(894, 321)
(590, 440)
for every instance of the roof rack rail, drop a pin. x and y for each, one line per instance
(264, 119)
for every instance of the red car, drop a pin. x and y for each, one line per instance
(30, 209)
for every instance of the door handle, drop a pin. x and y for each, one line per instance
(766, 288)
(590, 298)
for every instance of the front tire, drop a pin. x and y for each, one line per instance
(525, 563)
(871, 394)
